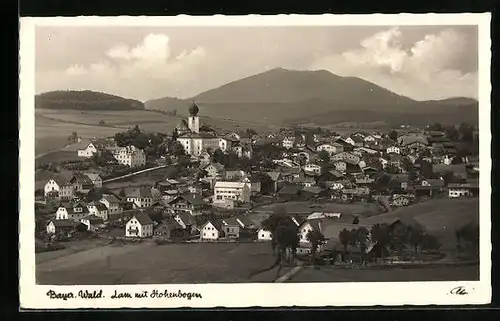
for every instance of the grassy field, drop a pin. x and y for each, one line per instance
(442, 273)
(147, 178)
(156, 264)
(52, 127)
(440, 217)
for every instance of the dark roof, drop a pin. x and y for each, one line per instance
(186, 218)
(141, 192)
(218, 166)
(231, 221)
(143, 218)
(64, 223)
(191, 199)
(81, 178)
(289, 189)
(111, 198)
(93, 219)
(245, 220)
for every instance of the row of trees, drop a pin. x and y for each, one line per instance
(465, 132)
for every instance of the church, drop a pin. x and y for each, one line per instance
(194, 141)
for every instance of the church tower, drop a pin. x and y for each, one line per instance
(193, 119)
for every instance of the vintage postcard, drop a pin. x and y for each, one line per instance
(255, 161)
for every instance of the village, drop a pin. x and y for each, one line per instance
(331, 192)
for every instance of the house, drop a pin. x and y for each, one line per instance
(215, 170)
(231, 227)
(235, 174)
(81, 183)
(288, 142)
(245, 222)
(313, 168)
(112, 203)
(277, 180)
(289, 191)
(211, 230)
(400, 200)
(61, 226)
(96, 179)
(192, 203)
(130, 156)
(140, 197)
(393, 150)
(186, 221)
(358, 141)
(264, 235)
(98, 209)
(456, 190)
(205, 158)
(88, 151)
(168, 229)
(140, 225)
(340, 166)
(92, 222)
(237, 191)
(330, 148)
(53, 186)
(370, 138)
(71, 211)
(346, 157)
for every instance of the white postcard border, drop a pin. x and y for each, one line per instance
(34, 296)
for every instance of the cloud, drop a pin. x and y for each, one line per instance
(150, 64)
(425, 70)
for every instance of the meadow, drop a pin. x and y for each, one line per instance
(156, 264)
(52, 127)
(439, 217)
(430, 273)
(298, 207)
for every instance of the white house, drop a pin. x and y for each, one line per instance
(350, 141)
(340, 166)
(393, 149)
(369, 138)
(211, 231)
(98, 209)
(112, 203)
(263, 235)
(140, 197)
(336, 185)
(313, 168)
(52, 186)
(140, 225)
(93, 222)
(71, 212)
(458, 190)
(331, 148)
(130, 156)
(238, 191)
(214, 170)
(288, 142)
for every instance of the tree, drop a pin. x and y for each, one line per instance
(218, 156)
(398, 238)
(452, 133)
(415, 236)
(122, 193)
(355, 220)
(251, 132)
(430, 242)
(102, 123)
(176, 149)
(345, 238)
(206, 128)
(380, 234)
(406, 164)
(175, 134)
(436, 127)
(456, 160)
(316, 238)
(324, 156)
(360, 238)
(466, 132)
(73, 137)
(393, 135)
(469, 233)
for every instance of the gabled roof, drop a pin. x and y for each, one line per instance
(245, 221)
(110, 198)
(217, 166)
(143, 218)
(93, 219)
(230, 221)
(192, 199)
(186, 218)
(141, 192)
(216, 223)
(64, 223)
(81, 178)
(93, 176)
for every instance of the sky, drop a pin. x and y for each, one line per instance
(420, 62)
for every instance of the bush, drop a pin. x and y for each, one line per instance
(102, 123)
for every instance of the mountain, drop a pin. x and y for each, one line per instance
(290, 97)
(85, 100)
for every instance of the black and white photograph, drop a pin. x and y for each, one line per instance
(255, 160)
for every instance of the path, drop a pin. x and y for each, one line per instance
(134, 173)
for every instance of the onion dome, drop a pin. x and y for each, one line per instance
(193, 110)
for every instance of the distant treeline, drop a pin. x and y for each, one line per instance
(85, 100)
